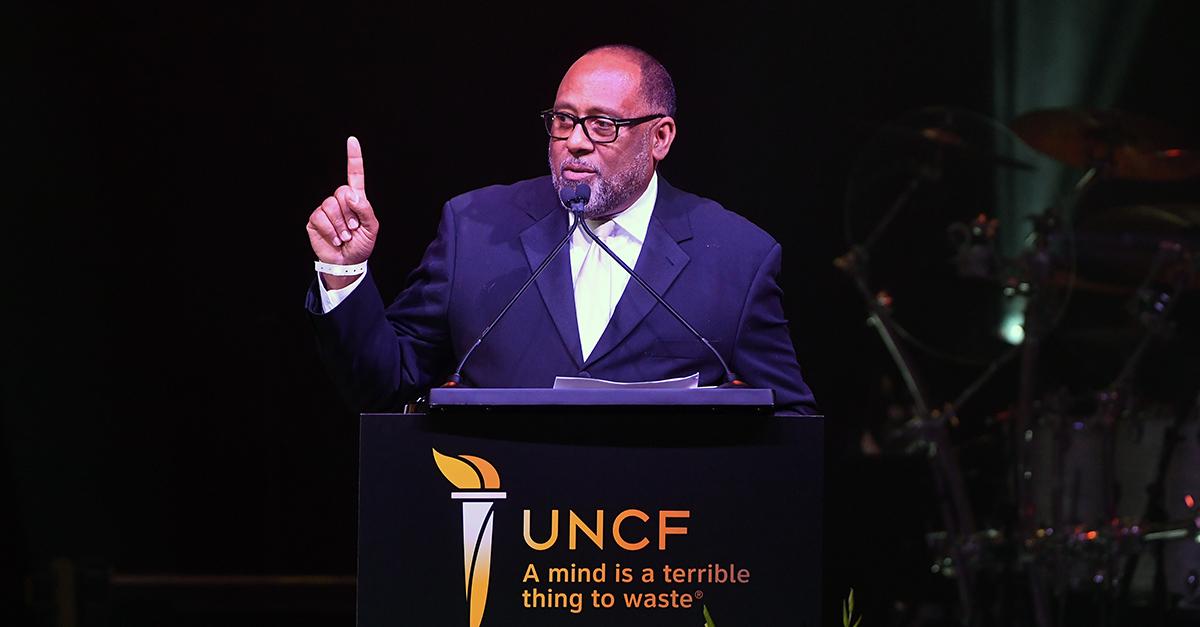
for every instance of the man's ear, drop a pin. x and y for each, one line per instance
(661, 138)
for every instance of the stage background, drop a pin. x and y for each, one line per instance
(165, 410)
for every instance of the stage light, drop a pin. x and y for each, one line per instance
(1012, 330)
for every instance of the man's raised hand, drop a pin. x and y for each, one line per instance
(343, 229)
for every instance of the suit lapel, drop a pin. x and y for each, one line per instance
(659, 263)
(554, 284)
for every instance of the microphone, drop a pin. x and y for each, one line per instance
(573, 200)
(731, 378)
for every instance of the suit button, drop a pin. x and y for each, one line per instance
(585, 374)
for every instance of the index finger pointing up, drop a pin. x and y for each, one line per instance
(355, 176)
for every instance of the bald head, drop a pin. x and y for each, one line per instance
(655, 84)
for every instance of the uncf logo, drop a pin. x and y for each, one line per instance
(478, 486)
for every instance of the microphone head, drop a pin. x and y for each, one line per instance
(583, 193)
(575, 199)
(566, 195)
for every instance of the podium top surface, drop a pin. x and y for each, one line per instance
(748, 399)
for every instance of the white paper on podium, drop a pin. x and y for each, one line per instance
(585, 383)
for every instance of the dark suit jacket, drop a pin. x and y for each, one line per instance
(715, 267)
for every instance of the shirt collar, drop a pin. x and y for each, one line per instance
(635, 220)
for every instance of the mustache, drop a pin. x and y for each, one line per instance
(579, 163)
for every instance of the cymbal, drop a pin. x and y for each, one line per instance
(1119, 248)
(952, 142)
(1179, 219)
(1123, 145)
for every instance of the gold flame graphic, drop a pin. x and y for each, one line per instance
(473, 474)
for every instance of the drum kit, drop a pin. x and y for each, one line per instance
(1088, 310)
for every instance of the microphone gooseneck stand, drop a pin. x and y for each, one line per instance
(731, 379)
(574, 201)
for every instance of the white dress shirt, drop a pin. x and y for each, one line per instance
(624, 233)
(628, 234)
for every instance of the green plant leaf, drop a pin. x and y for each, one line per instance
(848, 611)
(708, 621)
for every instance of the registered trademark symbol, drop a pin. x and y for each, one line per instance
(699, 594)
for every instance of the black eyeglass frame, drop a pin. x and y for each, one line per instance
(617, 122)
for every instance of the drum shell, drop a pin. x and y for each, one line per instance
(1071, 487)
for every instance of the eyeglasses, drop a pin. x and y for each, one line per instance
(599, 129)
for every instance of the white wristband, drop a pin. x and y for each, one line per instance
(336, 270)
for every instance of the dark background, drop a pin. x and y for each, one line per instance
(165, 410)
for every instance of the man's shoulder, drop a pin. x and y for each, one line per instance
(712, 222)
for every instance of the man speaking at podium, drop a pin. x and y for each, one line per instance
(611, 124)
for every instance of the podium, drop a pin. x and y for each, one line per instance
(590, 507)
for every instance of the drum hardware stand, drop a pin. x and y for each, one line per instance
(1117, 400)
(955, 508)
(956, 512)
(1112, 402)
(1161, 306)
(1106, 145)
(1038, 324)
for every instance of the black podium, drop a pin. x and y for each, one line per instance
(590, 507)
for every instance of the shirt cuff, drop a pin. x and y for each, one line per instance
(331, 298)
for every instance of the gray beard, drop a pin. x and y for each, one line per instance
(608, 194)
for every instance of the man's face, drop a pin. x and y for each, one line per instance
(617, 172)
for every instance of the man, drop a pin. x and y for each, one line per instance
(611, 124)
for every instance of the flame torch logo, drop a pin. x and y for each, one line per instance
(478, 483)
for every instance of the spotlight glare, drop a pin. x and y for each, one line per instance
(1012, 330)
